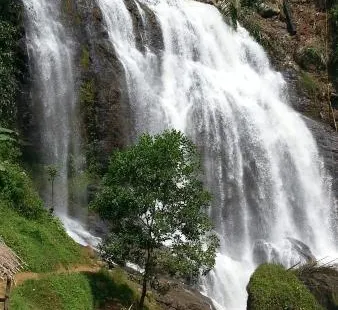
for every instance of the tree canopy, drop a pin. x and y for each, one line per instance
(155, 201)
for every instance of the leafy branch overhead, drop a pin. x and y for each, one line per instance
(154, 199)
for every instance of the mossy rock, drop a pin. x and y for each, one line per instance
(273, 287)
(322, 281)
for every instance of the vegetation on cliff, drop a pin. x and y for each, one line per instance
(273, 287)
(157, 207)
(334, 23)
(10, 19)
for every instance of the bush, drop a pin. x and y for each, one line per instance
(16, 188)
(273, 287)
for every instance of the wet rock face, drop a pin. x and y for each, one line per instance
(326, 137)
(102, 100)
(103, 95)
(322, 282)
(327, 140)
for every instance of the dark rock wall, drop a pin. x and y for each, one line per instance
(324, 134)
(103, 98)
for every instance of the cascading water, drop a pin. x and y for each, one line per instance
(54, 105)
(271, 194)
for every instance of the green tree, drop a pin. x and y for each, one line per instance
(52, 172)
(153, 197)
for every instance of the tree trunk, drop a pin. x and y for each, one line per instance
(289, 20)
(144, 291)
(145, 279)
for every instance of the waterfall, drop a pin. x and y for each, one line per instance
(53, 99)
(272, 198)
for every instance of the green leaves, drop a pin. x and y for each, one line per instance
(7, 135)
(9, 60)
(154, 199)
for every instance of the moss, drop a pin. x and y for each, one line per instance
(85, 60)
(87, 93)
(68, 6)
(88, 110)
(71, 15)
(273, 287)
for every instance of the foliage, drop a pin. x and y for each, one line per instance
(52, 172)
(152, 196)
(41, 243)
(15, 185)
(273, 287)
(9, 62)
(8, 145)
(76, 291)
(334, 26)
(17, 190)
(88, 109)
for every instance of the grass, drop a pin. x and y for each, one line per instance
(273, 287)
(81, 291)
(309, 84)
(67, 292)
(42, 244)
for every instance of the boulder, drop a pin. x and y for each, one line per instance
(268, 9)
(322, 281)
(182, 297)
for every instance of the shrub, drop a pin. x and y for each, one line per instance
(17, 189)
